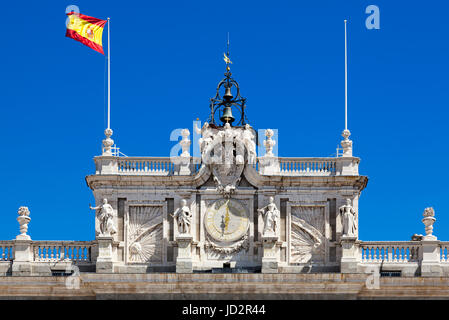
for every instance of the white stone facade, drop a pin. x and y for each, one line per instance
(307, 194)
(229, 210)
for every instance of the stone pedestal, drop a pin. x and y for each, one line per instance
(23, 258)
(184, 262)
(106, 165)
(349, 254)
(430, 263)
(270, 257)
(182, 165)
(105, 261)
(269, 165)
(347, 166)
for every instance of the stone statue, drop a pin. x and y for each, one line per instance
(107, 227)
(248, 141)
(183, 217)
(206, 136)
(270, 216)
(349, 221)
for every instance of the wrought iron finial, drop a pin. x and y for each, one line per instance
(228, 99)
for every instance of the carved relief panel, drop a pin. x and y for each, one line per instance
(308, 241)
(144, 241)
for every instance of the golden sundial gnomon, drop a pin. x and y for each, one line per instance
(226, 220)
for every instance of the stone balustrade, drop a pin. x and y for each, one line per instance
(145, 166)
(444, 251)
(308, 166)
(389, 251)
(164, 166)
(53, 251)
(7, 250)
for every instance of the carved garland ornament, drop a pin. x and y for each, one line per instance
(242, 244)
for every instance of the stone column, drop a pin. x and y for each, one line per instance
(184, 262)
(105, 261)
(349, 254)
(270, 258)
(23, 255)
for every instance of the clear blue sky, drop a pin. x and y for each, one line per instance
(166, 61)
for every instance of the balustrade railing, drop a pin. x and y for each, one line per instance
(444, 251)
(307, 166)
(6, 250)
(389, 251)
(145, 165)
(53, 251)
(164, 166)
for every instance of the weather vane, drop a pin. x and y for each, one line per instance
(226, 57)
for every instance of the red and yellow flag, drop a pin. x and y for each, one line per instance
(87, 30)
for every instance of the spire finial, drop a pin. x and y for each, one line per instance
(226, 56)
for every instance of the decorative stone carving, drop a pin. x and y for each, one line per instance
(107, 227)
(269, 143)
(226, 150)
(23, 220)
(307, 239)
(145, 234)
(249, 143)
(271, 217)
(269, 163)
(185, 143)
(429, 220)
(241, 244)
(346, 143)
(183, 218)
(206, 136)
(108, 142)
(349, 219)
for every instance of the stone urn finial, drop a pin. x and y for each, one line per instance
(23, 219)
(269, 143)
(185, 143)
(108, 142)
(346, 143)
(429, 220)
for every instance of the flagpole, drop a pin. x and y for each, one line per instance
(346, 143)
(109, 74)
(346, 79)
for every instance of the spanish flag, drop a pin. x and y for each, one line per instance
(87, 30)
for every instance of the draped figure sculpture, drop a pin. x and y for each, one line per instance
(349, 219)
(183, 218)
(107, 227)
(270, 217)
